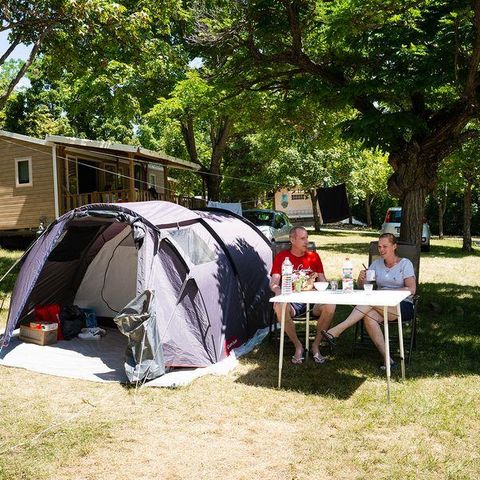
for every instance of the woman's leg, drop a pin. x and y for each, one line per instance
(357, 314)
(372, 323)
(325, 315)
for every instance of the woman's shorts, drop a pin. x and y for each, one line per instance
(406, 309)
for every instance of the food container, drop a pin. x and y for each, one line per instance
(37, 335)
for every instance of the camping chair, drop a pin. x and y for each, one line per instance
(361, 340)
(272, 329)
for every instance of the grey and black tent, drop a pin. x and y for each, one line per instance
(208, 271)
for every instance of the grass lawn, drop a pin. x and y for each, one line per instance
(327, 422)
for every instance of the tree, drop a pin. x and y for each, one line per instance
(49, 25)
(204, 121)
(368, 179)
(386, 59)
(464, 168)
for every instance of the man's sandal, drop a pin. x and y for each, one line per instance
(298, 360)
(319, 358)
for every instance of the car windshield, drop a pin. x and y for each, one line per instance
(259, 218)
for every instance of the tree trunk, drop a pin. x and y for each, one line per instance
(219, 137)
(441, 199)
(467, 218)
(415, 175)
(440, 219)
(316, 212)
(368, 210)
(412, 216)
(188, 135)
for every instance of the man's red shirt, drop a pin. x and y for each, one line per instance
(309, 260)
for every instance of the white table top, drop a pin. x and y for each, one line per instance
(384, 298)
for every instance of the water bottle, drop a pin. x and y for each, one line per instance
(347, 276)
(287, 272)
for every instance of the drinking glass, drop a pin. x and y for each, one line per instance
(370, 276)
(333, 285)
(368, 287)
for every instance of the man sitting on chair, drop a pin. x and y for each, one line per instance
(301, 258)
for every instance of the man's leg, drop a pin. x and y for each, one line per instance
(289, 327)
(325, 315)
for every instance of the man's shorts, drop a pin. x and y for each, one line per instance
(300, 308)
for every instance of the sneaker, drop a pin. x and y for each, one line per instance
(94, 333)
(89, 329)
(393, 366)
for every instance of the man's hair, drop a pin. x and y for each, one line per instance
(390, 236)
(294, 230)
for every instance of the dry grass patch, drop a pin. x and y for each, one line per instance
(328, 422)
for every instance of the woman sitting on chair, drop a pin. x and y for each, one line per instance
(391, 272)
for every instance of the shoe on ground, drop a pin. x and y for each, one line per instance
(393, 366)
(94, 333)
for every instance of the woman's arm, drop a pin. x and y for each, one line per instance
(361, 278)
(411, 284)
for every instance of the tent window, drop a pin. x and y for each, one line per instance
(73, 243)
(193, 245)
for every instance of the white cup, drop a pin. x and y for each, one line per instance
(370, 276)
(368, 287)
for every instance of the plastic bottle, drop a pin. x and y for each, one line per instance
(347, 276)
(287, 272)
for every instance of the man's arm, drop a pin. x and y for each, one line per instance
(275, 284)
(321, 278)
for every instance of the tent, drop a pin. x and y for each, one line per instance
(208, 270)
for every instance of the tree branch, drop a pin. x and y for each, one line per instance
(9, 50)
(23, 69)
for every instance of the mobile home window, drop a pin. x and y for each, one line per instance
(23, 172)
(152, 180)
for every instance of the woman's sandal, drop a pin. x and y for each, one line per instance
(330, 339)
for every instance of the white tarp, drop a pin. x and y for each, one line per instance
(103, 360)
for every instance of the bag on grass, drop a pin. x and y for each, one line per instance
(72, 319)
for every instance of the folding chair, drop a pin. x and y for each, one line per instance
(361, 340)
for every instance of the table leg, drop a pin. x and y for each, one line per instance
(387, 350)
(282, 338)
(400, 339)
(307, 333)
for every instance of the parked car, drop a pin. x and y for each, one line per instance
(392, 222)
(273, 224)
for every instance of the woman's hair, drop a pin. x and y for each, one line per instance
(390, 236)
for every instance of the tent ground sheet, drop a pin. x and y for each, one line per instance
(95, 360)
(103, 360)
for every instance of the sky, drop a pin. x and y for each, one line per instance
(20, 52)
